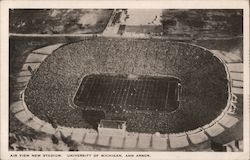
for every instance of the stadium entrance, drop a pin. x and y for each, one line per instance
(124, 93)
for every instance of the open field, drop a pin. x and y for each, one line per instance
(129, 93)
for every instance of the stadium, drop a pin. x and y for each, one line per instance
(202, 75)
(126, 93)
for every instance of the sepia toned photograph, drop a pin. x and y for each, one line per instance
(126, 80)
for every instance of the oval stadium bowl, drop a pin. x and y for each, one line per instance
(176, 90)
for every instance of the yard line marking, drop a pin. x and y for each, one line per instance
(91, 87)
(146, 93)
(143, 92)
(111, 91)
(166, 100)
(124, 90)
(140, 86)
(125, 102)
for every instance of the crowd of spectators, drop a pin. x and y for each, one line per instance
(203, 78)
